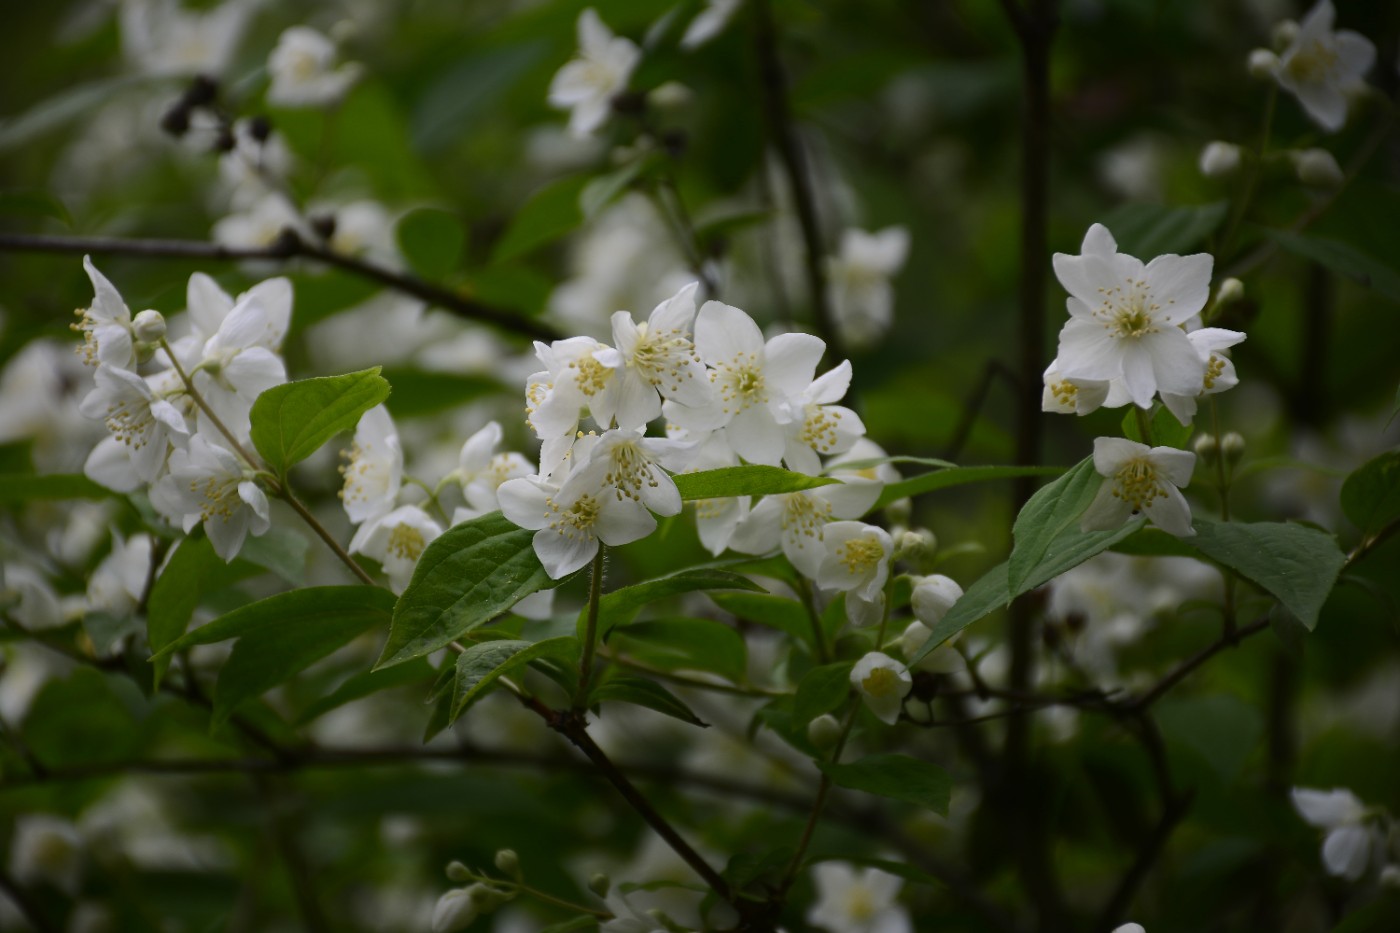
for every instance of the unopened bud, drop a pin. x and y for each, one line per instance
(1317, 167)
(918, 712)
(824, 732)
(1390, 876)
(1207, 449)
(485, 898)
(600, 884)
(456, 871)
(455, 910)
(933, 596)
(148, 326)
(1262, 64)
(1230, 291)
(899, 510)
(1219, 159)
(508, 863)
(1284, 34)
(916, 545)
(1232, 447)
(669, 95)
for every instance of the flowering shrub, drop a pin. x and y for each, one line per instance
(398, 569)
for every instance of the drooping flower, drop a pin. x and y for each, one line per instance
(396, 540)
(815, 427)
(119, 581)
(654, 360)
(234, 366)
(857, 562)
(1125, 318)
(374, 472)
(587, 84)
(1140, 480)
(859, 274)
(207, 483)
(883, 683)
(1321, 66)
(105, 324)
(857, 901)
(1075, 396)
(139, 419)
(1347, 848)
(302, 67)
(1210, 343)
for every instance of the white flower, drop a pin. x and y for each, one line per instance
(209, 484)
(1130, 928)
(118, 583)
(455, 910)
(813, 425)
(1219, 159)
(863, 449)
(145, 423)
(859, 275)
(883, 682)
(256, 165)
(362, 228)
(302, 70)
(46, 848)
(1346, 850)
(716, 519)
(573, 382)
(857, 901)
(630, 466)
(1317, 167)
(40, 389)
(396, 540)
(933, 596)
(588, 84)
(571, 513)
(234, 366)
(857, 562)
(1125, 317)
(708, 23)
(209, 306)
(481, 471)
(654, 360)
(1210, 344)
(374, 472)
(260, 224)
(161, 37)
(1076, 396)
(1320, 66)
(1140, 480)
(796, 521)
(105, 324)
(944, 659)
(755, 382)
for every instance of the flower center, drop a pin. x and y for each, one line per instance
(881, 682)
(576, 521)
(406, 541)
(742, 383)
(860, 555)
(219, 495)
(130, 423)
(1312, 63)
(660, 357)
(1066, 393)
(819, 428)
(804, 516)
(591, 375)
(1137, 483)
(630, 470)
(1214, 369)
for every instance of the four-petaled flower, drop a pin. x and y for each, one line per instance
(587, 85)
(1140, 480)
(883, 682)
(857, 901)
(1320, 66)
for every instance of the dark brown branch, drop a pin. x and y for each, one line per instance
(1173, 813)
(1184, 669)
(26, 904)
(288, 246)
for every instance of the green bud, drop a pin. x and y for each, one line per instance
(824, 731)
(1262, 64)
(1230, 291)
(1232, 447)
(915, 546)
(456, 871)
(1207, 449)
(507, 862)
(600, 884)
(899, 510)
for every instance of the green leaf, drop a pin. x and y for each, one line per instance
(431, 240)
(53, 112)
(1166, 430)
(685, 644)
(777, 612)
(898, 777)
(1296, 564)
(19, 488)
(1148, 230)
(281, 551)
(621, 606)
(34, 202)
(193, 571)
(550, 213)
(1046, 515)
(821, 690)
(648, 693)
(979, 600)
(1343, 259)
(366, 683)
(1371, 495)
(290, 422)
(467, 576)
(748, 480)
(481, 664)
(420, 392)
(1221, 729)
(287, 610)
(1153, 542)
(603, 190)
(957, 476)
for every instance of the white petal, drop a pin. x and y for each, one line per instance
(561, 556)
(790, 361)
(1347, 851)
(723, 332)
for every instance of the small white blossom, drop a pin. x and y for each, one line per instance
(883, 683)
(162, 37)
(259, 224)
(1140, 480)
(208, 484)
(851, 900)
(481, 471)
(234, 366)
(455, 910)
(1320, 66)
(587, 84)
(119, 581)
(374, 471)
(1347, 848)
(396, 540)
(1317, 167)
(1219, 159)
(573, 382)
(1211, 344)
(655, 360)
(859, 274)
(708, 23)
(303, 70)
(1130, 928)
(944, 659)
(208, 306)
(1075, 396)
(46, 848)
(145, 423)
(105, 324)
(857, 562)
(815, 427)
(796, 521)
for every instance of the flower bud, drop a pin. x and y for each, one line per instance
(899, 510)
(1317, 167)
(485, 897)
(918, 712)
(600, 884)
(1284, 34)
(455, 910)
(1219, 159)
(915, 546)
(824, 732)
(933, 596)
(1390, 876)
(1230, 291)
(508, 863)
(1262, 64)
(670, 95)
(1207, 449)
(148, 326)
(1232, 447)
(941, 660)
(456, 871)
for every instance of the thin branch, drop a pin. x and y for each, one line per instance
(590, 635)
(1184, 669)
(26, 904)
(285, 839)
(1173, 813)
(288, 246)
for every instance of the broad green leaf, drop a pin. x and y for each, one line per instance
(748, 480)
(282, 635)
(366, 683)
(642, 692)
(420, 392)
(1153, 542)
(821, 690)
(1343, 259)
(431, 239)
(957, 476)
(515, 286)
(281, 551)
(1296, 564)
(34, 202)
(898, 777)
(868, 462)
(466, 577)
(1046, 515)
(1221, 729)
(1166, 430)
(482, 664)
(550, 213)
(193, 571)
(25, 487)
(1371, 495)
(621, 606)
(685, 644)
(603, 190)
(777, 612)
(1149, 230)
(290, 422)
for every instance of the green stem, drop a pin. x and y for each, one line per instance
(818, 804)
(1144, 426)
(1256, 168)
(590, 635)
(818, 634)
(1222, 475)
